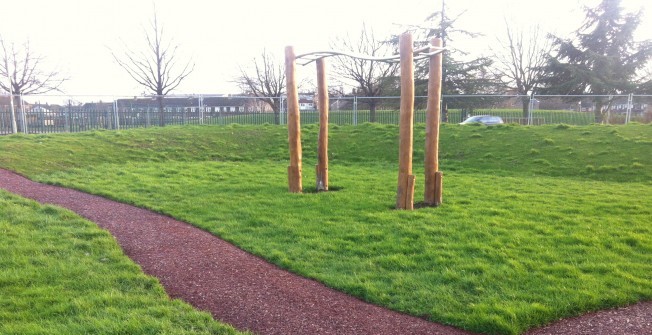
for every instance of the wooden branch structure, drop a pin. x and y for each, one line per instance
(406, 180)
(418, 54)
(433, 177)
(294, 123)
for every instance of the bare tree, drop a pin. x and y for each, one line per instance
(371, 77)
(265, 79)
(21, 73)
(157, 68)
(520, 62)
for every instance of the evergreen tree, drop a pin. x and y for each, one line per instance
(602, 59)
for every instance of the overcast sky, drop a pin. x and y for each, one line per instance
(77, 36)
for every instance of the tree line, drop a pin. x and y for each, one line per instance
(600, 58)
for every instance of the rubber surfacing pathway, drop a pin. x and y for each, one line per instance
(251, 294)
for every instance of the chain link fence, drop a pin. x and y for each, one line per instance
(52, 114)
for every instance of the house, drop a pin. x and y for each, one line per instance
(190, 104)
(98, 106)
(4, 101)
(44, 116)
(307, 102)
(225, 104)
(636, 108)
(256, 105)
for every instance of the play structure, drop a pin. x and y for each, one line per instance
(406, 180)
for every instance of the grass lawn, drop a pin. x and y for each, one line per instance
(61, 274)
(538, 223)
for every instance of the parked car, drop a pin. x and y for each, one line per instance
(487, 120)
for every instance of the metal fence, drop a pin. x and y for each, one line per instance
(42, 114)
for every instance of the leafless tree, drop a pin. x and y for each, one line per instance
(265, 79)
(370, 77)
(521, 60)
(157, 68)
(21, 73)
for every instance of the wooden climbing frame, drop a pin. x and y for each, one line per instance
(406, 180)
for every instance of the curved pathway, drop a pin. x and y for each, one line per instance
(250, 293)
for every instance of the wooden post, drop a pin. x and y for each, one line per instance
(405, 191)
(294, 123)
(322, 145)
(433, 182)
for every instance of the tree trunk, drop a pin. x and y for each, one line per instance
(372, 110)
(526, 108)
(161, 115)
(276, 108)
(21, 117)
(598, 112)
(277, 113)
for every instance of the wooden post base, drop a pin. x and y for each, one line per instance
(433, 188)
(294, 179)
(439, 184)
(405, 192)
(322, 178)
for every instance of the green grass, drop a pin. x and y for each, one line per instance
(61, 274)
(538, 223)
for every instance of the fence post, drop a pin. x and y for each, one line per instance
(609, 101)
(39, 118)
(530, 107)
(355, 110)
(281, 110)
(405, 189)
(67, 116)
(115, 114)
(200, 101)
(14, 126)
(630, 104)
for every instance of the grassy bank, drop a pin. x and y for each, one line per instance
(61, 274)
(538, 223)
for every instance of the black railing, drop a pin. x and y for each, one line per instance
(139, 113)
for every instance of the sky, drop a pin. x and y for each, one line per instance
(77, 37)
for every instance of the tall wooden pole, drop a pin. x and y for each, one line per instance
(405, 191)
(433, 182)
(294, 123)
(322, 145)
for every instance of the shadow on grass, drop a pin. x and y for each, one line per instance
(417, 205)
(313, 189)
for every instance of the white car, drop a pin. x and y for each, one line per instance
(487, 120)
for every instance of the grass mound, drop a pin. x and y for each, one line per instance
(63, 275)
(538, 223)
